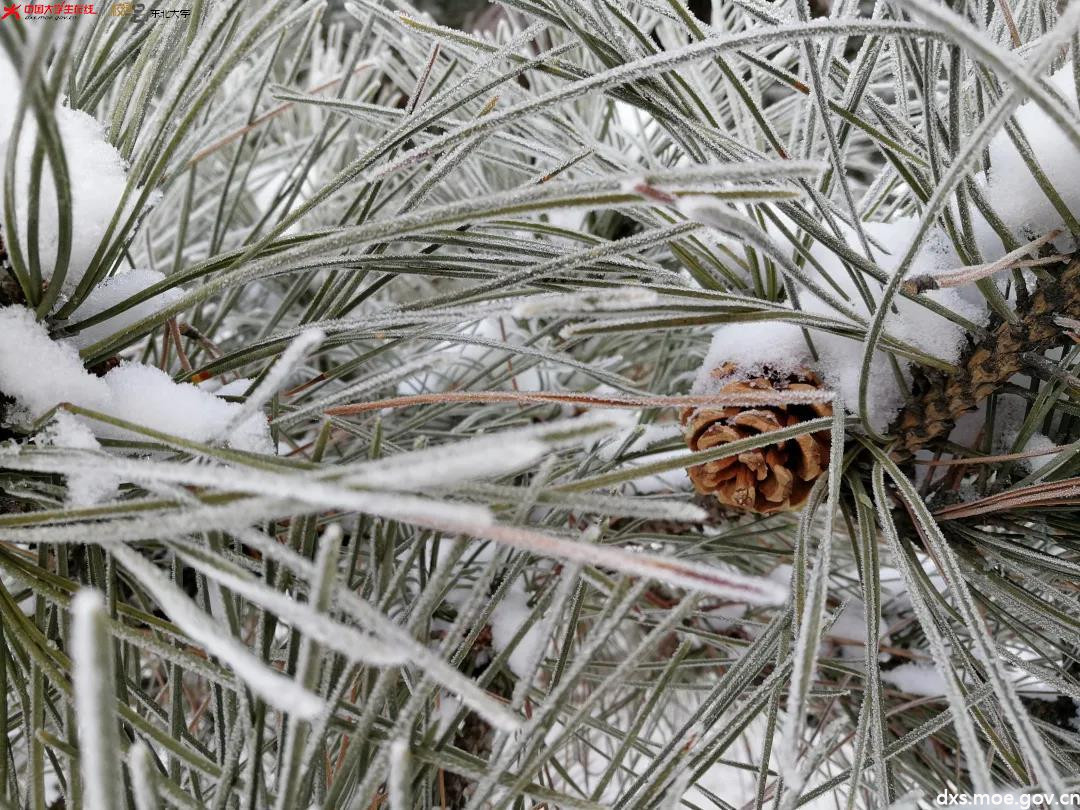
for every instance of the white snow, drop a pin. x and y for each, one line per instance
(781, 345)
(273, 382)
(647, 436)
(111, 292)
(750, 346)
(446, 711)
(1039, 442)
(674, 480)
(841, 357)
(506, 619)
(1010, 186)
(637, 128)
(926, 680)
(233, 388)
(916, 679)
(9, 94)
(733, 777)
(669, 481)
(738, 785)
(83, 488)
(41, 373)
(97, 176)
(850, 625)
(265, 188)
(474, 559)
(1011, 190)
(1008, 422)
(149, 397)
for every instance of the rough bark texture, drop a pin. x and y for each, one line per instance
(939, 398)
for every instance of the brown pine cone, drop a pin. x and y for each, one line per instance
(939, 399)
(774, 478)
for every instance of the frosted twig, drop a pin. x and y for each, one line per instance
(174, 330)
(587, 400)
(998, 459)
(1048, 369)
(1052, 493)
(972, 273)
(1072, 325)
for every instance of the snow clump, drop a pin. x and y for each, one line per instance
(112, 292)
(1012, 189)
(40, 373)
(97, 175)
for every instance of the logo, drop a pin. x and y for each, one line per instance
(139, 13)
(47, 11)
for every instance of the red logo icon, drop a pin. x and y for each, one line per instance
(11, 10)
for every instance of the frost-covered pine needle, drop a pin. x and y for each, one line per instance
(353, 357)
(95, 702)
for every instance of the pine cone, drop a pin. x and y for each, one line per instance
(939, 399)
(774, 478)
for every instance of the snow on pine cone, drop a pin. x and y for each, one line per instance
(773, 478)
